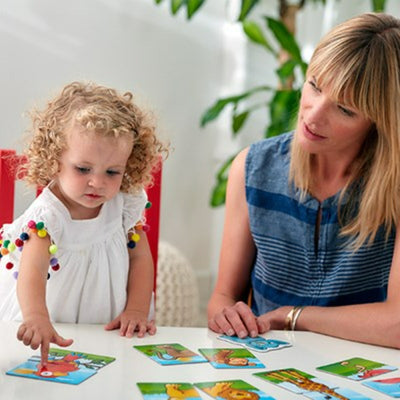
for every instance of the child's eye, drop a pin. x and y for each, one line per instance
(82, 170)
(112, 172)
(346, 111)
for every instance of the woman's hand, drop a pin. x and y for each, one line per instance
(130, 321)
(274, 319)
(36, 331)
(235, 320)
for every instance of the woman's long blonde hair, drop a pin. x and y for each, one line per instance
(359, 60)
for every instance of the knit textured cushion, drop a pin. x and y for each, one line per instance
(177, 293)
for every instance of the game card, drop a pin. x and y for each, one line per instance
(235, 389)
(389, 386)
(63, 366)
(91, 361)
(257, 343)
(231, 358)
(170, 354)
(159, 390)
(357, 368)
(308, 385)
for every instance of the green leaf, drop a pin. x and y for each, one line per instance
(246, 7)
(193, 6)
(285, 38)
(378, 5)
(158, 1)
(255, 34)
(286, 70)
(223, 172)
(176, 5)
(218, 193)
(238, 120)
(213, 112)
(283, 112)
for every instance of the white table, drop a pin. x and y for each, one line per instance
(118, 379)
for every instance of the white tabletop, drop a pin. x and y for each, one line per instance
(118, 379)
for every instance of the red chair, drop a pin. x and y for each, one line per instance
(9, 160)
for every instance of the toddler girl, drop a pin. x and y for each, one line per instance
(79, 253)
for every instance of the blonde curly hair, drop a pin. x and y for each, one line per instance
(101, 110)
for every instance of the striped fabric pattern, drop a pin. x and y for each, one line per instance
(290, 268)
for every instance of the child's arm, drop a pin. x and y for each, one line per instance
(139, 293)
(36, 329)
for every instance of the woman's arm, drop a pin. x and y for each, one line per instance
(226, 312)
(374, 323)
(139, 292)
(36, 329)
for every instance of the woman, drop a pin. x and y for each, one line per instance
(311, 216)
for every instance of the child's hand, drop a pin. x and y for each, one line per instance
(38, 331)
(130, 321)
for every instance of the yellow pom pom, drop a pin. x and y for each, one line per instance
(53, 249)
(42, 233)
(135, 237)
(11, 247)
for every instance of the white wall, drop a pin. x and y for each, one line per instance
(176, 68)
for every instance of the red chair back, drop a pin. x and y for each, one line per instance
(9, 160)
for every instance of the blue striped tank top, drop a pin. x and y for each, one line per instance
(290, 268)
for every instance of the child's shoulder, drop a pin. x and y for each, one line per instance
(44, 210)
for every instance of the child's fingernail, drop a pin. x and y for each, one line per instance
(242, 334)
(230, 332)
(253, 333)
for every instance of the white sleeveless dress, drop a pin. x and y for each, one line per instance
(90, 284)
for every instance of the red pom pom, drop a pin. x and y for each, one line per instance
(9, 265)
(32, 224)
(55, 267)
(146, 228)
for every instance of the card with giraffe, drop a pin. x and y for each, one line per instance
(357, 368)
(308, 385)
(232, 389)
(231, 358)
(170, 354)
(160, 390)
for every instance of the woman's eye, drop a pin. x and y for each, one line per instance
(82, 170)
(314, 86)
(346, 111)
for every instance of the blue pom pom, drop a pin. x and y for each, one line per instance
(131, 244)
(24, 236)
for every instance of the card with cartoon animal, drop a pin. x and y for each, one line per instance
(308, 385)
(231, 358)
(357, 368)
(389, 386)
(160, 390)
(233, 389)
(170, 354)
(91, 361)
(64, 368)
(257, 343)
